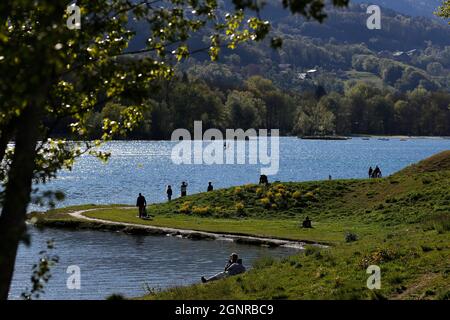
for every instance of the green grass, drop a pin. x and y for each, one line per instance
(324, 232)
(402, 224)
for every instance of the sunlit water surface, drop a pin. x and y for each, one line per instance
(118, 263)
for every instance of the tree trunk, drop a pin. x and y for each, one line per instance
(17, 194)
(5, 137)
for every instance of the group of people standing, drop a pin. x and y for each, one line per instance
(183, 190)
(375, 173)
(141, 202)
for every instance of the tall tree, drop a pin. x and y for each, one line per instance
(51, 73)
(444, 10)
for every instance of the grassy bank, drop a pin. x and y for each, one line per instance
(401, 223)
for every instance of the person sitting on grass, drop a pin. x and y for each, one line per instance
(307, 223)
(233, 267)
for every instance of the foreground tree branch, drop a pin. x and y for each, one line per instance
(36, 46)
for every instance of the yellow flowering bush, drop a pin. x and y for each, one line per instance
(239, 207)
(265, 202)
(296, 195)
(202, 211)
(259, 192)
(185, 208)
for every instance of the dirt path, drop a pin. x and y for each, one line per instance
(189, 233)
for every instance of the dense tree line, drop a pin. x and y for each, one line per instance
(256, 102)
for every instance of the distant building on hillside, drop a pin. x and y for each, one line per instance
(307, 75)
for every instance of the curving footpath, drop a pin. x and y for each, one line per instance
(186, 233)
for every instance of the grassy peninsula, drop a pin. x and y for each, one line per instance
(400, 223)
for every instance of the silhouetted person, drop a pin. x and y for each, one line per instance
(370, 172)
(263, 179)
(376, 173)
(141, 203)
(330, 177)
(379, 175)
(183, 189)
(169, 193)
(210, 187)
(307, 223)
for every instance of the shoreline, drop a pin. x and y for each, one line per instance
(83, 222)
(392, 222)
(374, 136)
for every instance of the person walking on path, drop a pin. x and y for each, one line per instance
(141, 203)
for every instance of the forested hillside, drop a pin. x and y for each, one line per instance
(423, 8)
(336, 77)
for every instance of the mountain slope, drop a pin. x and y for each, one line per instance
(423, 8)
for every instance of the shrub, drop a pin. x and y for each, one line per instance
(338, 282)
(185, 208)
(377, 257)
(313, 251)
(415, 196)
(265, 202)
(442, 223)
(310, 196)
(202, 211)
(263, 262)
(296, 195)
(350, 237)
(259, 192)
(239, 192)
(239, 207)
(426, 248)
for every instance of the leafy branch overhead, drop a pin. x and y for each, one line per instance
(53, 76)
(444, 10)
(77, 71)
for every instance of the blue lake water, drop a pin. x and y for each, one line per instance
(146, 166)
(119, 263)
(114, 262)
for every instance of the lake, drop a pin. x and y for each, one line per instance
(114, 262)
(146, 167)
(118, 263)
